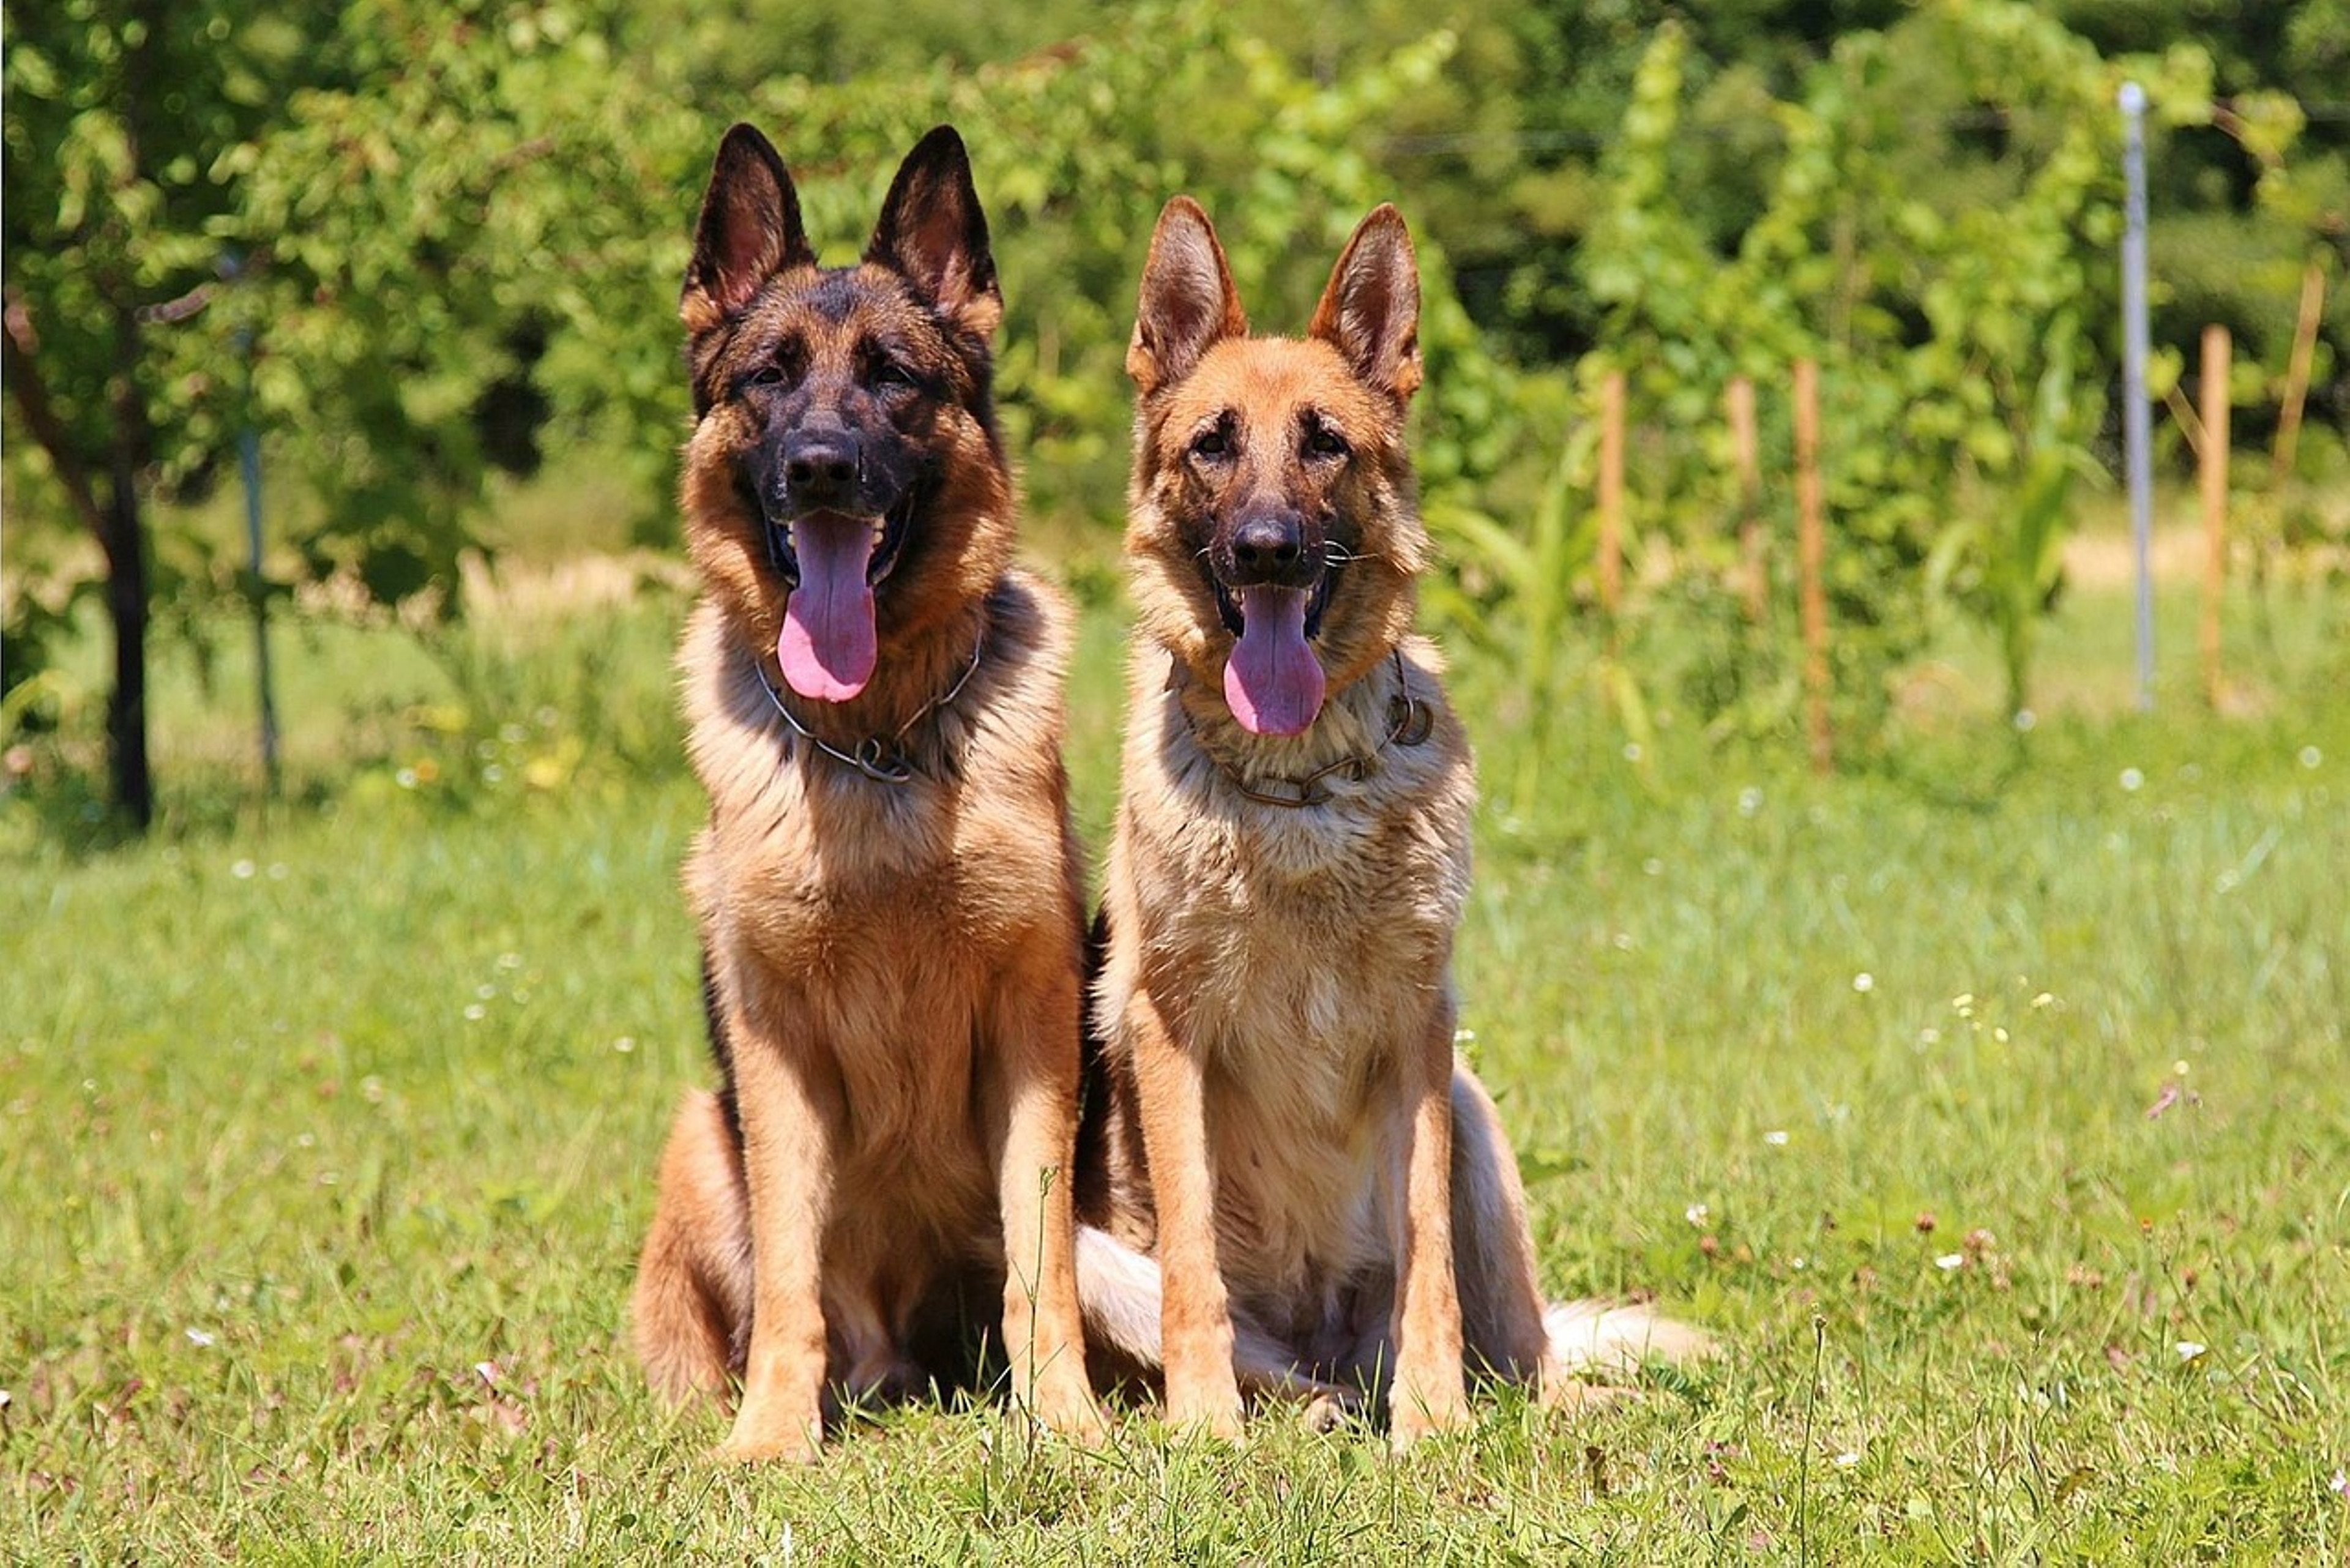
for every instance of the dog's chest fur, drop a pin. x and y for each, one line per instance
(883, 912)
(1297, 951)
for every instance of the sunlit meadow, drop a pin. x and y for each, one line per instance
(1988, 1101)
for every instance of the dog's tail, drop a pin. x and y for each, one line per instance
(1118, 1296)
(1118, 1293)
(1618, 1336)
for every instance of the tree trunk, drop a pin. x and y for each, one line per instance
(124, 538)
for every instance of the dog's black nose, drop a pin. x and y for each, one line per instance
(820, 471)
(1267, 547)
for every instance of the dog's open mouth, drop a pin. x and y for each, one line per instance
(1273, 681)
(833, 561)
(1317, 600)
(888, 532)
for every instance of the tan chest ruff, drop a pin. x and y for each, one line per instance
(1299, 949)
(883, 911)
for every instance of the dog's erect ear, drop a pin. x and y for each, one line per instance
(933, 232)
(1370, 311)
(750, 231)
(1189, 303)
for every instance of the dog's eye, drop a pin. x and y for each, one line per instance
(1210, 444)
(765, 376)
(889, 373)
(1324, 441)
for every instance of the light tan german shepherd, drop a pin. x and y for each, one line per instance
(1291, 1184)
(888, 890)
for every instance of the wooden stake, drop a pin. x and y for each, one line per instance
(2217, 353)
(2296, 374)
(1611, 499)
(1742, 444)
(1813, 552)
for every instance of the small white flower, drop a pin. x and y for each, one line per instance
(1799, 1263)
(200, 1339)
(1464, 1037)
(243, 871)
(2025, 718)
(486, 992)
(2132, 780)
(1846, 1460)
(1631, 751)
(1864, 982)
(1950, 1260)
(2341, 1482)
(625, 1044)
(2187, 1349)
(278, 870)
(1750, 800)
(2000, 1034)
(1929, 1036)
(2311, 757)
(1653, 867)
(1622, 942)
(1696, 1213)
(476, 1012)
(2179, 1066)
(487, 1371)
(2045, 998)
(1776, 1138)
(405, 778)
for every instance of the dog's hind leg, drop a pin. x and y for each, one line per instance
(691, 1306)
(1508, 1330)
(1493, 1251)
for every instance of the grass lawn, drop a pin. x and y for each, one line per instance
(1993, 1105)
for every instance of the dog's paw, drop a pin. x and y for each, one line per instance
(1071, 1412)
(1330, 1408)
(772, 1442)
(1414, 1414)
(1207, 1414)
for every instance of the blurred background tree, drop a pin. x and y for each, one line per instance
(424, 244)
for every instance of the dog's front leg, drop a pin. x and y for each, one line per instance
(1033, 1090)
(791, 1116)
(1429, 1392)
(1195, 1315)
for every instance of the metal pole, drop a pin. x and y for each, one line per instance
(248, 462)
(2137, 432)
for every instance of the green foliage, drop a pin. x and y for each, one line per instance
(1949, 332)
(458, 226)
(486, 206)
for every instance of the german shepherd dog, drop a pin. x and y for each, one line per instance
(886, 888)
(1292, 1185)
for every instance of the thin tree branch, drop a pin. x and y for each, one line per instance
(32, 396)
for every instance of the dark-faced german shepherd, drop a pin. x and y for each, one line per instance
(886, 891)
(1295, 1185)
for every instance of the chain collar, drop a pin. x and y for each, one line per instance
(1409, 723)
(879, 757)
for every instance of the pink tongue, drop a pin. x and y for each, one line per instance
(1273, 681)
(827, 645)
